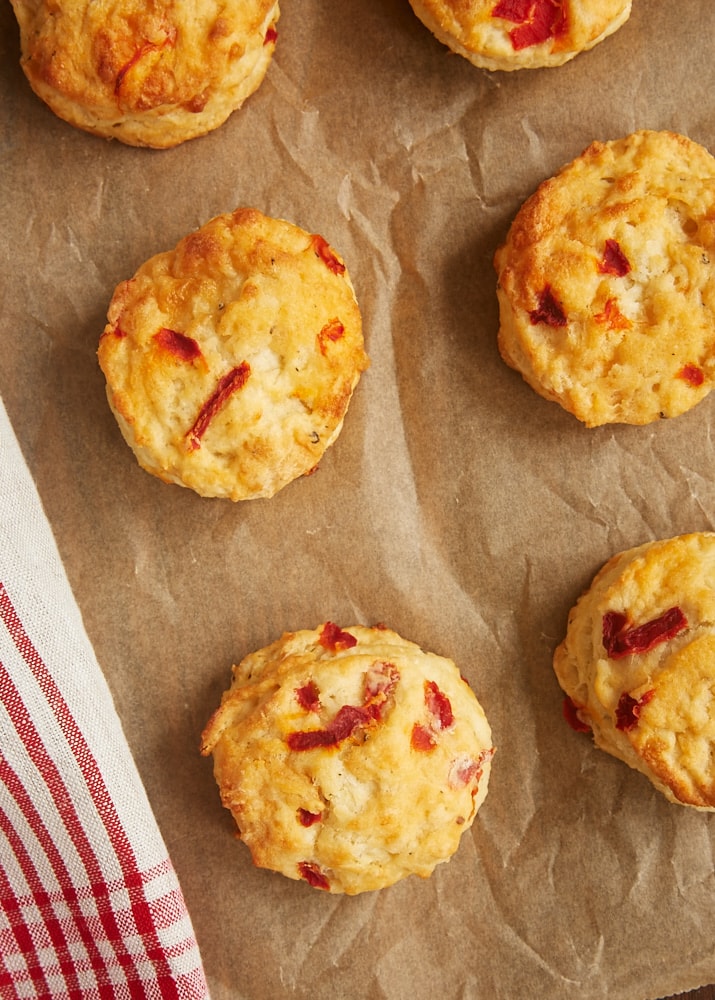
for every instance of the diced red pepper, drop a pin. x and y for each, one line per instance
(332, 331)
(613, 317)
(620, 641)
(183, 347)
(327, 255)
(231, 382)
(692, 374)
(421, 738)
(271, 35)
(307, 818)
(308, 697)
(441, 717)
(462, 772)
(614, 261)
(517, 11)
(380, 681)
(629, 709)
(310, 739)
(548, 311)
(346, 721)
(333, 638)
(467, 769)
(312, 874)
(537, 20)
(439, 706)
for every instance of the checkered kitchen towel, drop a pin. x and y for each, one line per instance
(90, 906)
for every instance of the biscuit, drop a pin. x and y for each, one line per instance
(521, 34)
(231, 360)
(638, 664)
(151, 74)
(606, 283)
(349, 758)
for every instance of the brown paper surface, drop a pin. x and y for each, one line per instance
(457, 506)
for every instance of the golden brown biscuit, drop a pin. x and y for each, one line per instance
(638, 664)
(349, 758)
(521, 34)
(231, 360)
(606, 281)
(149, 74)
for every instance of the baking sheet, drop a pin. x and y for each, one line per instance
(456, 506)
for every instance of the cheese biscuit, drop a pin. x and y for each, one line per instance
(231, 360)
(149, 74)
(637, 664)
(606, 281)
(349, 758)
(521, 34)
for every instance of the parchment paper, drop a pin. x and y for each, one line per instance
(457, 506)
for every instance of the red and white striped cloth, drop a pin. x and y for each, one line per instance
(90, 905)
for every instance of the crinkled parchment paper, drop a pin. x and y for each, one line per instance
(457, 506)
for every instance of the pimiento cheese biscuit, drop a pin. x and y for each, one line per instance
(606, 281)
(638, 664)
(150, 74)
(521, 34)
(349, 758)
(231, 360)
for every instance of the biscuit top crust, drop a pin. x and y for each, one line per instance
(606, 281)
(349, 757)
(148, 73)
(521, 34)
(231, 360)
(638, 663)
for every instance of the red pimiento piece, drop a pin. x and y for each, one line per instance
(549, 310)
(310, 739)
(380, 682)
(439, 706)
(537, 20)
(613, 317)
(271, 35)
(347, 719)
(570, 711)
(307, 818)
(312, 874)
(327, 254)
(332, 331)
(343, 725)
(308, 696)
(231, 382)
(441, 717)
(421, 738)
(333, 638)
(620, 641)
(517, 11)
(614, 622)
(629, 709)
(183, 347)
(465, 769)
(462, 772)
(692, 374)
(614, 261)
